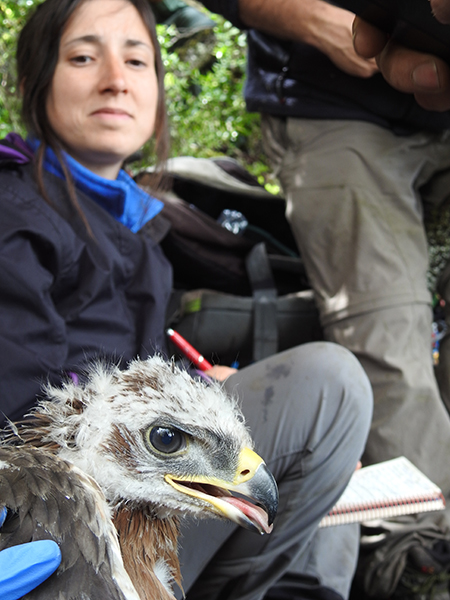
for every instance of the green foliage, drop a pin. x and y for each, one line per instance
(437, 226)
(204, 91)
(12, 16)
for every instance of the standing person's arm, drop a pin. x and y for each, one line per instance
(424, 75)
(322, 25)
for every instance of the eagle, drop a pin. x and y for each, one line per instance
(108, 462)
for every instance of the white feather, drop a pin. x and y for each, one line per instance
(163, 573)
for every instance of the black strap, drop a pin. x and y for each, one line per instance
(265, 331)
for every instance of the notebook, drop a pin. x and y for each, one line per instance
(388, 489)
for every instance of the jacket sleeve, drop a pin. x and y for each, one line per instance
(227, 8)
(33, 341)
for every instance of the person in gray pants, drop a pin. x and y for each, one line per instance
(309, 409)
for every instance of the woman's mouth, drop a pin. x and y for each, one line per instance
(111, 113)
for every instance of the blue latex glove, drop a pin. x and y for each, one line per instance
(24, 567)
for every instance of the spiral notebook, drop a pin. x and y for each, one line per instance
(388, 489)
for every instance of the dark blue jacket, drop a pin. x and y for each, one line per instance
(296, 80)
(67, 297)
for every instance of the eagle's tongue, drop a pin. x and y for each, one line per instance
(256, 514)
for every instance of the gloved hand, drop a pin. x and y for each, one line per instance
(24, 567)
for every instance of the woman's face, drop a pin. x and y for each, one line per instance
(104, 93)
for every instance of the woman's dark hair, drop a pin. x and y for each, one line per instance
(37, 57)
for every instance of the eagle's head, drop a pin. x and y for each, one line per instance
(152, 435)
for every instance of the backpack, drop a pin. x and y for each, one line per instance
(242, 296)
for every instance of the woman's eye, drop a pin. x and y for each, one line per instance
(135, 62)
(166, 439)
(81, 60)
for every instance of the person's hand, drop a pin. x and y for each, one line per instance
(424, 75)
(331, 33)
(315, 22)
(220, 372)
(441, 10)
(24, 567)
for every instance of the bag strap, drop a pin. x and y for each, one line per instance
(265, 330)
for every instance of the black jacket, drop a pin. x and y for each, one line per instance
(296, 80)
(67, 297)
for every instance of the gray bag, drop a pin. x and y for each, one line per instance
(222, 326)
(227, 328)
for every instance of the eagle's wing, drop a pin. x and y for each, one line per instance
(48, 498)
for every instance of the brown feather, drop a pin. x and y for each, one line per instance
(144, 540)
(48, 498)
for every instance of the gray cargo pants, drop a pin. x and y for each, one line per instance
(309, 410)
(354, 194)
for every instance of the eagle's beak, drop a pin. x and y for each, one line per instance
(250, 499)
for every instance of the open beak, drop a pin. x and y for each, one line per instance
(250, 499)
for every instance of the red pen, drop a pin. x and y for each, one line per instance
(189, 351)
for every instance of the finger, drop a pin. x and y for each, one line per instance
(24, 567)
(220, 372)
(368, 41)
(410, 71)
(441, 10)
(437, 102)
(368, 68)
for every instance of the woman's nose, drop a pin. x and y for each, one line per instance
(113, 77)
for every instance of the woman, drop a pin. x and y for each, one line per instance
(82, 276)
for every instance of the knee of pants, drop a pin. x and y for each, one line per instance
(339, 374)
(348, 390)
(308, 392)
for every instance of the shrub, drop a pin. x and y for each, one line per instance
(13, 14)
(204, 88)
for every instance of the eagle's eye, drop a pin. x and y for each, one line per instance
(166, 439)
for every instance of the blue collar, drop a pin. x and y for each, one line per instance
(121, 197)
